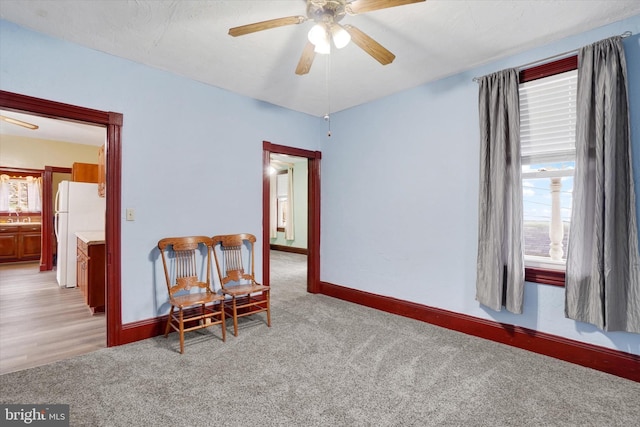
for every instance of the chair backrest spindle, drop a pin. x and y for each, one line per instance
(231, 247)
(180, 267)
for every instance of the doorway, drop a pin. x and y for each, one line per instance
(113, 123)
(313, 212)
(288, 225)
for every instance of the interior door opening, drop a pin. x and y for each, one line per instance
(113, 123)
(312, 210)
(288, 232)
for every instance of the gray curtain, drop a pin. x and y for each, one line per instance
(603, 269)
(500, 267)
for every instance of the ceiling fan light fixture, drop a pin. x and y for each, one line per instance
(317, 34)
(323, 48)
(340, 36)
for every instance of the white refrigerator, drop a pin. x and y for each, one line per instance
(77, 208)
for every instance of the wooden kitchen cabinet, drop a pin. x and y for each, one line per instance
(84, 172)
(8, 243)
(29, 242)
(90, 269)
(20, 242)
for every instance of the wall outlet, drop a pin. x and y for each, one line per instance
(131, 214)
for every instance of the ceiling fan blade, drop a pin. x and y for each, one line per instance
(308, 54)
(369, 45)
(266, 25)
(19, 122)
(362, 6)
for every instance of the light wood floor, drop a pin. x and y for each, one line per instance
(40, 322)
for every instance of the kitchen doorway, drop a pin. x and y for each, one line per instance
(313, 212)
(40, 321)
(113, 123)
(288, 225)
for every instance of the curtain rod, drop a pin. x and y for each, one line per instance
(568, 53)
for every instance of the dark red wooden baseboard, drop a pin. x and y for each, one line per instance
(149, 328)
(603, 359)
(614, 362)
(143, 329)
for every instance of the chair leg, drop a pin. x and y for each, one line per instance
(268, 295)
(235, 318)
(224, 328)
(181, 331)
(168, 327)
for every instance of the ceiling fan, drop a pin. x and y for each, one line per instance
(327, 14)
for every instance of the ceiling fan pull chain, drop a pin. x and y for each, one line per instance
(327, 117)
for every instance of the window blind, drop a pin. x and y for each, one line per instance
(548, 118)
(282, 185)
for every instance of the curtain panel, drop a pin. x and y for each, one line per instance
(602, 284)
(289, 227)
(500, 262)
(5, 190)
(34, 194)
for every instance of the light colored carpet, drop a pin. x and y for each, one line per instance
(326, 362)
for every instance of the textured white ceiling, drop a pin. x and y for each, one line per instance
(431, 40)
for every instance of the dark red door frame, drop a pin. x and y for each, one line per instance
(313, 218)
(113, 123)
(46, 258)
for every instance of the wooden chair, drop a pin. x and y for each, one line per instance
(189, 286)
(247, 296)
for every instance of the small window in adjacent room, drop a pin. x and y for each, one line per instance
(282, 194)
(20, 194)
(547, 135)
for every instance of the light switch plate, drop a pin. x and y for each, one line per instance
(131, 214)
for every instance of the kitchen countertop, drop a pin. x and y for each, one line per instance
(91, 237)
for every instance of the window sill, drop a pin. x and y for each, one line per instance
(544, 263)
(544, 276)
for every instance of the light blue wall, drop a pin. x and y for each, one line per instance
(188, 149)
(404, 222)
(632, 54)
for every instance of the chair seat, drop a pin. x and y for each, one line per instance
(194, 299)
(243, 289)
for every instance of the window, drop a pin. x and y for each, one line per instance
(547, 136)
(282, 194)
(20, 194)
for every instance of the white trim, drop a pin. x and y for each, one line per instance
(548, 173)
(544, 262)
